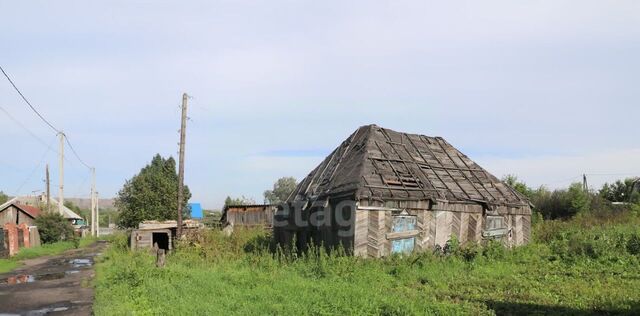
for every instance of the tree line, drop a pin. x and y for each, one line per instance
(568, 202)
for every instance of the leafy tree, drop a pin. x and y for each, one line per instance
(519, 186)
(107, 216)
(579, 200)
(238, 201)
(152, 194)
(626, 190)
(561, 203)
(3, 197)
(54, 227)
(281, 190)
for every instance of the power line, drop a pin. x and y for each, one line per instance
(614, 174)
(79, 188)
(34, 169)
(41, 117)
(27, 129)
(75, 153)
(563, 180)
(593, 174)
(27, 101)
(36, 137)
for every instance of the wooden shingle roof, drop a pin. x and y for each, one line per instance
(380, 163)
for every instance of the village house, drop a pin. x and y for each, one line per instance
(382, 192)
(41, 201)
(15, 213)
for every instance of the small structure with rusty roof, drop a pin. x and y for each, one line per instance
(16, 213)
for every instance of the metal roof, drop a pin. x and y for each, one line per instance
(32, 211)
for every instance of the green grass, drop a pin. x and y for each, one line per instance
(7, 265)
(573, 268)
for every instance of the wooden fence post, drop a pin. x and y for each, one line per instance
(160, 258)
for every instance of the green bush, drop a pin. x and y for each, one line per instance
(53, 227)
(494, 250)
(633, 245)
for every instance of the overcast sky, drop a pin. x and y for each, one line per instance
(546, 90)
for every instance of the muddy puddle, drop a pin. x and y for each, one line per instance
(42, 311)
(29, 278)
(81, 263)
(73, 265)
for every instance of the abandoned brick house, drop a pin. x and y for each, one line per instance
(17, 227)
(15, 213)
(383, 192)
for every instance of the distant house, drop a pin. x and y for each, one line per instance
(248, 215)
(382, 192)
(39, 200)
(15, 213)
(17, 227)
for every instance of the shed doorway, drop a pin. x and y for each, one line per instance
(162, 239)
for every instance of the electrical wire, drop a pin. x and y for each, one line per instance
(79, 188)
(75, 153)
(564, 180)
(27, 129)
(38, 165)
(41, 117)
(27, 101)
(614, 174)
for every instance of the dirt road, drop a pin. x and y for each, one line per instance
(56, 285)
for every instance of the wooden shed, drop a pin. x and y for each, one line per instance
(162, 233)
(383, 192)
(248, 215)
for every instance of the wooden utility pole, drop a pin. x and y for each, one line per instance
(48, 189)
(97, 215)
(61, 162)
(93, 201)
(183, 131)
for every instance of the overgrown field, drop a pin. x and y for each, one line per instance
(582, 266)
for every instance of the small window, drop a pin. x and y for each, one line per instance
(495, 222)
(495, 227)
(403, 223)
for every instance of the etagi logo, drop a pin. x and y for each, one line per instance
(301, 215)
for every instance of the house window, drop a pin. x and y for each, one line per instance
(495, 222)
(402, 224)
(495, 227)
